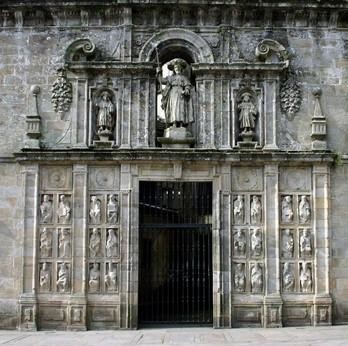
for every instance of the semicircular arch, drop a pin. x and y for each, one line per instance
(177, 39)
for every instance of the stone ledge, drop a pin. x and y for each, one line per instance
(161, 154)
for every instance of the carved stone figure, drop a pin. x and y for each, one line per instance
(94, 278)
(287, 244)
(306, 278)
(256, 242)
(45, 277)
(304, 211)
(106, 114)
(28, 315)
(18, 14)
(111, 244)
(247, 113)
(256, 278)
(46, 210)
(111, 278)
(238, 210)
(176, 96)
(84, 17)
(64, 242)
(288, 278)
(255, 210)
(287, 211)
(94, 211)
(61, 93)
(239, 243)
(113, 210)
(94, 243)
(64, 210)
(239, 278)
(45, 243)
(305, 243)
(63, 278)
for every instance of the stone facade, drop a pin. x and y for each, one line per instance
(81, 127)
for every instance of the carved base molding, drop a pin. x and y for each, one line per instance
(272, 311)
(27, 313)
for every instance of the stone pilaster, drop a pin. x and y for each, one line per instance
(322, 238)
(28, 296)
(129, 247)
(272, 299)
(78, 301)
(270, 112)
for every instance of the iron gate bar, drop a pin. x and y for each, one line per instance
(175, 256)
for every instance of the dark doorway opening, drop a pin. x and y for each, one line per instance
(175, 285)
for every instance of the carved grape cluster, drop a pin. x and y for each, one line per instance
(61, 92)
(290, 96)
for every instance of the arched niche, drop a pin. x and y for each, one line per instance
(174, 43)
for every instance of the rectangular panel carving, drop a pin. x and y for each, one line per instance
(104, 178)
(56, 178)
(247, 179)
(295, 179)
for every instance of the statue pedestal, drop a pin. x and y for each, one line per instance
(247, 140)
(176, 137)
(104, 140)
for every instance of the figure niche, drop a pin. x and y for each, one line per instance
(247, 119)
(175, 104)
(104, 115)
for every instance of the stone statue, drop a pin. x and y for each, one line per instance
(111, 278)
(45, 277)
(306, 278)
(105, 114)
(239, 278)
(287, 244)
(111, 244)
(305, 243)
(94, 210)
(256, 242)
(45, 243)
(247, 113)
(94, 243)
(288, 278)
(239, 243)
(64, 211)
(46, 210)
(255, 210)
(256, 278)
(287, 212)
(176, 96)
(304, 211)
(113, 210)
(63, 278)
(94, 278)
(238, 210)
(64, 242)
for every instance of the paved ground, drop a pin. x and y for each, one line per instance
(336, 335)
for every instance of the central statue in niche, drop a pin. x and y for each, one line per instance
(177, 105)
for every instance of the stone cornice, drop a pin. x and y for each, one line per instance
(236, 3)
(239, 66)
(246, 157)
(128, 67)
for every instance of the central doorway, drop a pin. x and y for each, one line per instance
(175, 253)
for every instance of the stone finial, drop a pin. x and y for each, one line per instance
(34, 121)
(318, 123)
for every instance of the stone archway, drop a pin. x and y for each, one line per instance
(180, 39)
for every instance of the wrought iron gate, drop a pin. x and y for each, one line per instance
(175, 252)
